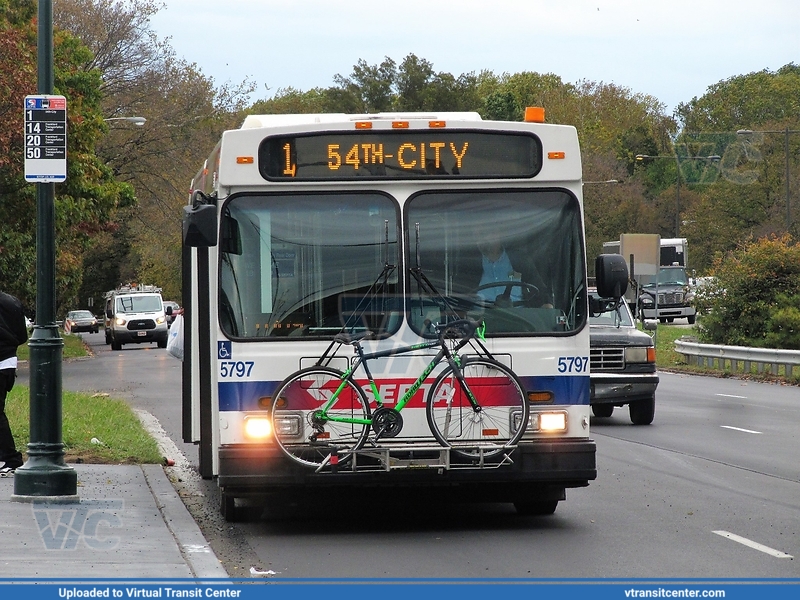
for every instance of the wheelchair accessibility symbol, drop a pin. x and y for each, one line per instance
(224, 350)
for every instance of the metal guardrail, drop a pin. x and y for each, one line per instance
(723, 357)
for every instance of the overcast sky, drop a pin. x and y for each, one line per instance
(673, 50)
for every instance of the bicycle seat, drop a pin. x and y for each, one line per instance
(344, 337)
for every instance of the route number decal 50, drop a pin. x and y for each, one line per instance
(573, 364)
(235, 368)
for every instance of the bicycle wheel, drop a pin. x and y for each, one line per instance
(503, 414)
(299, 431)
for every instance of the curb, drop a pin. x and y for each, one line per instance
(201, 559)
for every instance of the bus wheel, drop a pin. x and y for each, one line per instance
(536, 508)
(230, 512)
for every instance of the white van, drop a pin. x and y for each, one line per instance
(135, 315)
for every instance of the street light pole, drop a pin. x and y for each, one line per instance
(643, 157)
(786, 172)
(45, 473)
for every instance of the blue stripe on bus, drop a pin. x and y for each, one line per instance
(244, 395)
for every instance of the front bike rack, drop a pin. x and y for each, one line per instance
(408, 455)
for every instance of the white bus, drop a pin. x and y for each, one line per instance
(303, 227)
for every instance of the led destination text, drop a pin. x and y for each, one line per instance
(408, 155)
(405, 155)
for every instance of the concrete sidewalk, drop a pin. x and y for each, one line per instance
(129, 524)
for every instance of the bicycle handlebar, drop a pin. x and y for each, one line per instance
(469, 326)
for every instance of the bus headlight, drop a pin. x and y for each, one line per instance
(120, 321)
(257, 427)
(553, 421)
(542, 421)
(287, 425)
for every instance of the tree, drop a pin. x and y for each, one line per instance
(413, 82)
(87, 201)
(185, 111)
(761, 284)
(758, 101)
(745, 101)
(372, 85)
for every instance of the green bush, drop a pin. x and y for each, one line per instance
(783, 327)
(757, 296)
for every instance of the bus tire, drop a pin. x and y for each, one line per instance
(227, 507)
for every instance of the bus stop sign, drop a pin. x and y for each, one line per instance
(45, 139)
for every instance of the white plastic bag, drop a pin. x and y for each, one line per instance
(175, 341)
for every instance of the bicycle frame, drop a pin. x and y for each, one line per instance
(363, 359)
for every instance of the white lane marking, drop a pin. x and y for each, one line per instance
(732, 396)
(753, 545)
(740, 429)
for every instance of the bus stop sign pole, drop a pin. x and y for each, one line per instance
(45, 474)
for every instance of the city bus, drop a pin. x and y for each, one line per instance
(305, 232)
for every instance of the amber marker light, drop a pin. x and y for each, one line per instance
(436, 124)
(556, 155)
(244, 160)
(399, 124)
(534, 114)
(540, 397)
(363, 124)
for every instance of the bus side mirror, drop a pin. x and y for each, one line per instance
(611, 272)
(200, 225)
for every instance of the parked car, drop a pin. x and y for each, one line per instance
(171, 314)
(622, 364)
(81, 320)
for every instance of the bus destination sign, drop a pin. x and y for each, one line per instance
(406, 154)
(45, 139)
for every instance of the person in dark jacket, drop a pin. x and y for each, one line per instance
(13, 334)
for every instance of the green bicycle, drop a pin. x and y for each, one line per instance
(476, 406)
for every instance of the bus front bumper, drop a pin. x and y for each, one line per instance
(546, 465)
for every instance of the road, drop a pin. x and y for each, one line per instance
(710, 490)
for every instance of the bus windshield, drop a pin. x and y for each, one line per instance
(298, 265)
(311, 265)
(511, 257)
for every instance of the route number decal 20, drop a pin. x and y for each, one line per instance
(573, 364)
